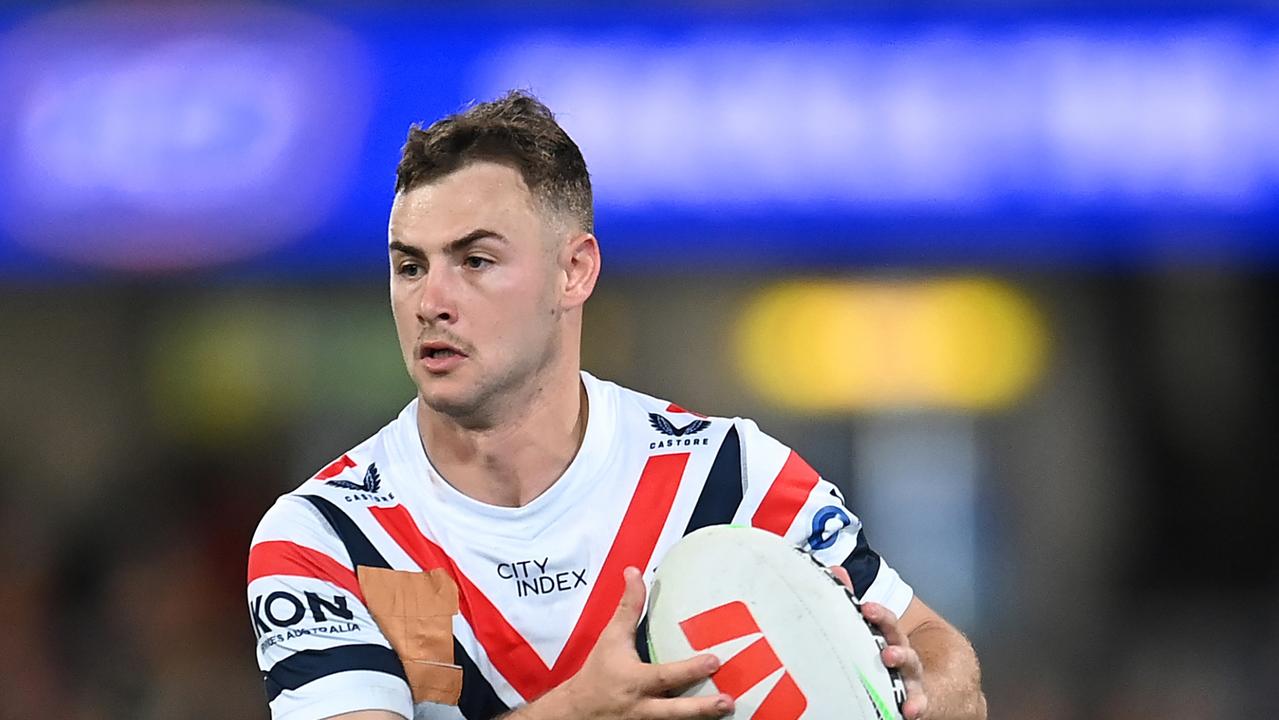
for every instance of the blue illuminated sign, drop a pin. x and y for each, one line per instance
(198, 137)
(939, 118)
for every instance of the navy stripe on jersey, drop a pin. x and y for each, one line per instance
(722, 492)
(357, 545)
(478, 700)
(721, 495)
(862, 565)
(302, 667)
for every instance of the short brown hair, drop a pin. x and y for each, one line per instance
(516, 129)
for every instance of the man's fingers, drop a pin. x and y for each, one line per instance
(906, 661)
(915, 707)
(676, 676)
(686, 708)
(886, 621)
(900, 656)
(631, 607)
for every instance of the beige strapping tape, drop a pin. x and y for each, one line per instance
(415, 612)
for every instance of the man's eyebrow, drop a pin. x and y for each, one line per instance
(455, 246)
(474, 236)
(409, 250)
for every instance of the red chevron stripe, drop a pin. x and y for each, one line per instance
(635, 541)
(509, 652)
(506, 648)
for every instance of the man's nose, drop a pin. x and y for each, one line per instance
(437, 303)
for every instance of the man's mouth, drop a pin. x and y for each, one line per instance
(439, 351)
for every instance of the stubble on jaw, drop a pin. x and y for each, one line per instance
(495, 400)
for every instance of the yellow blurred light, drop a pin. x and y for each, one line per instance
(223, 371)
(962, 343)
(227, 367)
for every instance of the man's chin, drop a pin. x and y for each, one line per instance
(446, 397)
(471, 401)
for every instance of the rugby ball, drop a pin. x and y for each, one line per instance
(790, 639)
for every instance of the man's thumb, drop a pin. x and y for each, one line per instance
(631, 607)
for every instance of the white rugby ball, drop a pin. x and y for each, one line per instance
(791, 642)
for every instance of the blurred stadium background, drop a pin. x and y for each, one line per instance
(1005, 272)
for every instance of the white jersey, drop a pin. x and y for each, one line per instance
(535, 584)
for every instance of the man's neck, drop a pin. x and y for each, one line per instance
(516, 460)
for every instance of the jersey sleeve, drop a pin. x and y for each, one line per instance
(319, 650)
(785, 495)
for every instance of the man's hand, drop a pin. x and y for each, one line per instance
(954, 677)
(900, 656)
(614, 684)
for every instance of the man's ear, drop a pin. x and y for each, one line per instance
(580, 263)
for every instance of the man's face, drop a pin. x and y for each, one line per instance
(473, 288)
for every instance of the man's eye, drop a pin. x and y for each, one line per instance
(410, 269)
(475, 262)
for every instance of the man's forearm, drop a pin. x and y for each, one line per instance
(952, 677)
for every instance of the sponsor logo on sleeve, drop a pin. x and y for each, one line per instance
(283, 615)
(367, 489)
(677, 436)
(827, 523)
